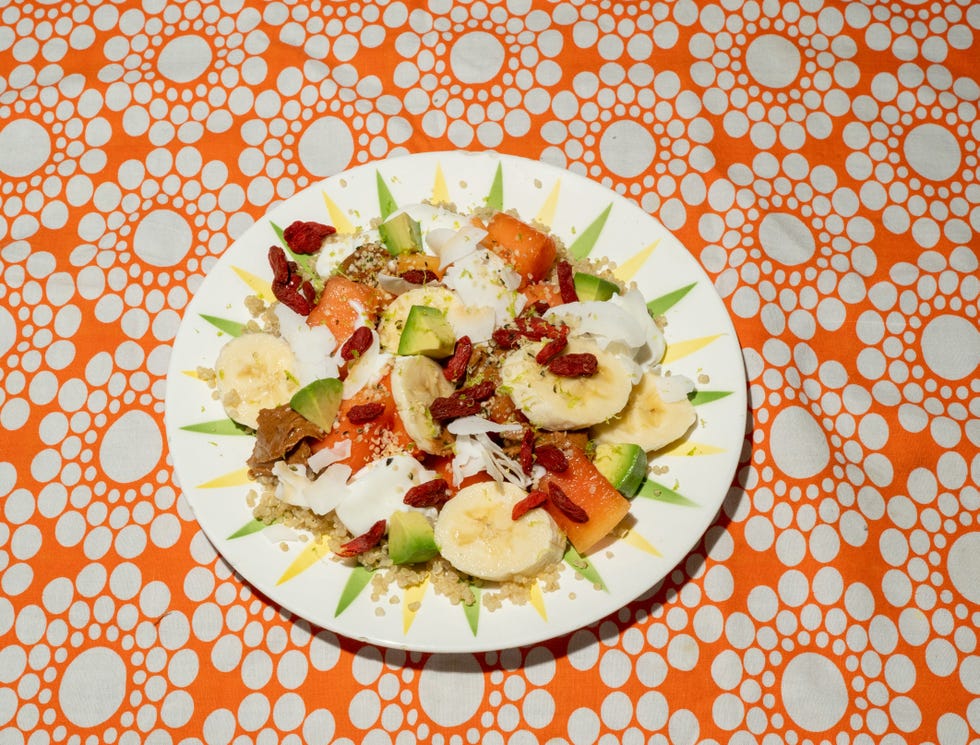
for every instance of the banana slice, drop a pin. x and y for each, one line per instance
(557, 403)
(416, 381)
(255, 372)
(476, 534)
(653, 418)
(393, 318)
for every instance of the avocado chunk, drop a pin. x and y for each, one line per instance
(591, 287)
(401, 234)
(410, 538)
(319, 401)
(623, 464)
(426, 331)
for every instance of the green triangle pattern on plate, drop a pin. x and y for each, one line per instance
(249, 528)
(472, 610)
(652, 490)
(659, 306)
(584, 567)
(358, 580)
(386, 202)
(583, 245)
(495, 199)
(706, 397)
(232, 328)
(217, 427)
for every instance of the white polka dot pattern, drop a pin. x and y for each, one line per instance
(821, 162)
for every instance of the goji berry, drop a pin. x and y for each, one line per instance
(535, 499)
(363, 413)
(582, 365)
(455, 367)
(551, 458)
(427, 494)
(566, 282)
(564, 503)
(306, 237)
(358, 343)
(363, 542)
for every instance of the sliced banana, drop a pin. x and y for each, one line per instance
(477, 535)
(255, 372)
(416, 381)
(393, 318)
(648, 419)
(558, 403)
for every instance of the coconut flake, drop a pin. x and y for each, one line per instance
(393, 284)
(328, 489)
(279, 533)
(474, 425)
(328, 456)
(484, 280)
(477, 452)
(311, 346)
(378, 490)
(339, 246)
(453, 246)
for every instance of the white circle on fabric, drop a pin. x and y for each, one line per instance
(459, 673)
(932, 151)
(131, 447)
(773, 61)
(24, 147)
(476, 57)
(786, 239)
(799, 445)
(627, 148)
(184, 58)
(814, 692)
(92, 687)
(326, 147)
(960, 566)
(951, 361)
(162, 238)
(615, 668)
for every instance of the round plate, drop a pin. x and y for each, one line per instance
(677, 504)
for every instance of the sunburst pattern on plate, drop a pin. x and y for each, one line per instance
(582, 240)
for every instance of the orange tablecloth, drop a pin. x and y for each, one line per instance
(820, 159)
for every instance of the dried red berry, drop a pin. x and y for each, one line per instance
(448, 407)
(527, 451)
(506, 338)
(553, 348)
(564, 503)
(583, 365)
(479, 392)
(288, 284)
(357, 344)
(363, 413)
(551, 458)
(419, 276)
(306, 237)
(535, 499)
(566, 282)
(363, 542)
(455, 367)
(427, 494)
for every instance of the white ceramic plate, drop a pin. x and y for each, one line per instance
(209, 455)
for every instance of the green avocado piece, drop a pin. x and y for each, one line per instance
(623, 464)
(410, 538)
(591, 287)
(319, 401)
(401, 234)
(426, 331)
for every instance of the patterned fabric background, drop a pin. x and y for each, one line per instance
(820, 159)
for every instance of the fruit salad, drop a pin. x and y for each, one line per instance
(450, 387)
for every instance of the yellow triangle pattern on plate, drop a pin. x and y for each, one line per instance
(546, 214)
(537, 600)
(440, 192)
(679, 349)
(628, 269)
(309, 556)
(691, 449)
(258, 285)
(191, 374)
(636, 540)
(337, 217)
(233, 478)
(410, 602)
